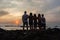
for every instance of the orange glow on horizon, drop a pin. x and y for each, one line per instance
(16, 22)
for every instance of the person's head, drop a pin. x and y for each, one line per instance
(25, 12)
(39, 15)
(34, 15)
(30, 13)
(42, 15)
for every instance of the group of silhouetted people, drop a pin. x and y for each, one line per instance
(33, 21)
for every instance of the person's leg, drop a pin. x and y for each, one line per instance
(44, 27)
(23, 25)
(39, 27)
(27, 28)
(30, 27)
(27, 25)
(34, 27)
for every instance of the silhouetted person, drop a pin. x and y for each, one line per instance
(25, 20)
(35, 21)
(43, 21)
(39, 21)
(31, 21)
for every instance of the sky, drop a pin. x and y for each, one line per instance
(11, 11)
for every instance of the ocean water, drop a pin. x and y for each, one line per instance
(53, 25)
(14, 27)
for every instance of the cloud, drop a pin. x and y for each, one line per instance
(22, 4)
(53, 15)
(51, 4)
(7, 4)
(49, 7)
(2, 13)
(30, 4)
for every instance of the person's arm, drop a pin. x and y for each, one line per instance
(33, 18)
(27, 16)
(45, 22)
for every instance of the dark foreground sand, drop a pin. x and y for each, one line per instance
(49, 34)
